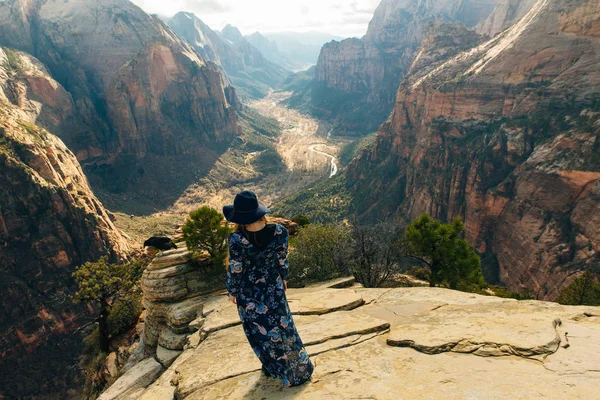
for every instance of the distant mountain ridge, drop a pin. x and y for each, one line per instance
(250, 72)
(356, 79)
(297, 50)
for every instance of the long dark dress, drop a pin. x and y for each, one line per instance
(255, 278)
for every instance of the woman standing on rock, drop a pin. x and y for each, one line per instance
(256, 281)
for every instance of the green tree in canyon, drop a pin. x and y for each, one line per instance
(205, 231)
(451, 259)
(585, 290)
(104, 284)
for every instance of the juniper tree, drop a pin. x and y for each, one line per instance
(103, 283)
(451, 259)
(205, 230)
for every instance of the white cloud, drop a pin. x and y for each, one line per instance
(331, 16)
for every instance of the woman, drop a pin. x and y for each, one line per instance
(256, 282)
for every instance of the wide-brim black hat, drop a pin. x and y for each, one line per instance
(246, 209)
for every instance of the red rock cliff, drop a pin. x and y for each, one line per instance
(50, 222)
(137, 88)
(357, 79)
(505, 136)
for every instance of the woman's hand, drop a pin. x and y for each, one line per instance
(232, 299)
(284, 285)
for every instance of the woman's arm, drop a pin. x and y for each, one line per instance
(235, 267)
(282, 253)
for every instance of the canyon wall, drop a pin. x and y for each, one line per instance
(251, 73)
(505, 136)
(137, 88)
(50, 222)
(357, 79)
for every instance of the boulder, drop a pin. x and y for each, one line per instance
(139, 377)
(165, 356)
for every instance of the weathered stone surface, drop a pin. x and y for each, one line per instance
(548, 351)
(172, 340)
(372, 370)
(165, 356)
(213, 355)
(170, 258)
(139, 377)
(172, 297)
(496, 329)
(579, 355)
(311, 301)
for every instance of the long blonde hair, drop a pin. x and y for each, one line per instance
(242, 227)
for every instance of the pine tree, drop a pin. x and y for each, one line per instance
(585, 290)
(204, 231)
(452, 260)
(103, 283)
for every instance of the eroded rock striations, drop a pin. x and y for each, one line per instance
(138, 90)
(505, 15)
(505, 136)
(50, 222)
(363, 340)
(357, 79)
(248, 69)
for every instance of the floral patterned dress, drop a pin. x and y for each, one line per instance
(255, 278)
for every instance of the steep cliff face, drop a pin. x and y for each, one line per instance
(506, 13)
(505, 136)
(248, 69)
(357, 79)
(137, 88)
(50, 222)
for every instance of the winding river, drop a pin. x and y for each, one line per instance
(334, 167)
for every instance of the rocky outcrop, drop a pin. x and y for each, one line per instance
(504, 136)
(172, 284)
(248, 69)
(138, 90)
(357, 79)
(50, 222)
(505, 15)
(361, 349)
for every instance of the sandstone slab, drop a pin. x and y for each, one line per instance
(373, 370)
(166, 356)
(221, 314)
(138, 377)
(170, 258)
(488, 329)
(226, 353)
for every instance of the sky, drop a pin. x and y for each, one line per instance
(337, 17)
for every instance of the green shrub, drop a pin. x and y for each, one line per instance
(451, 260)
(205, 230)
(422, 273)
(13, 61)
(268, 162)
(124, 315)
(319, 253)
(585, 290)
(301, 220)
